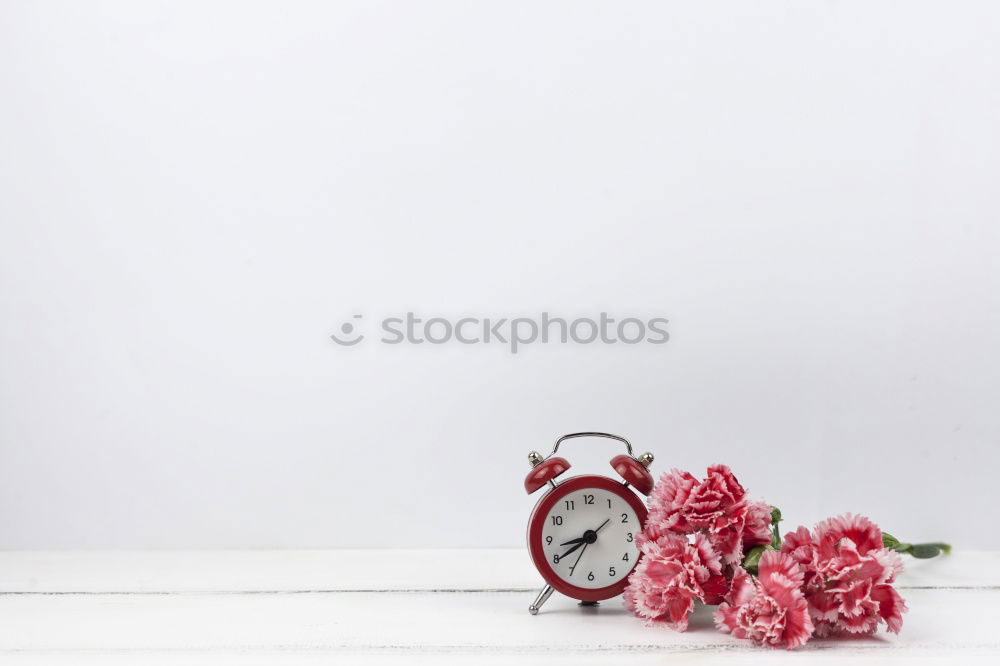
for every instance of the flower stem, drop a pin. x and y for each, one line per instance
(775, 521)
(920, 551)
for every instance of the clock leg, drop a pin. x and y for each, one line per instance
(542, 597)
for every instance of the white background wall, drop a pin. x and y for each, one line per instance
(194, 196)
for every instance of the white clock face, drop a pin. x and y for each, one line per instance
(589, 538)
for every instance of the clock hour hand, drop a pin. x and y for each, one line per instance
(578, 545)
(572, 541)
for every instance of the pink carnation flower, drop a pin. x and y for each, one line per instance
(670, 576)
(837, 578)
(769, 610)
(848, 576)
(685, 504)
(717, 505)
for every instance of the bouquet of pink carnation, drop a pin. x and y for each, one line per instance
(705, 541)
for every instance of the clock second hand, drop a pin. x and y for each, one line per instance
(587, 543)
(573, 568)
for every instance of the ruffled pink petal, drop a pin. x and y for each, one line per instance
(721, 477)
(679, 608)
(890, 606)
(757, 525)
(713, 590)
(865, 623)
(769, 610)
(798, 624)
(728, 544)
(799, 544)
(773, 563)
(741, 589)
(858, 529)
(891, 562)
(671, 492)
(707, 554)
(725, 617)
(823, 606)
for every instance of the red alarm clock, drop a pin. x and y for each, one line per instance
(582, 532)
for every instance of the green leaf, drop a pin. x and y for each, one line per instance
(752, 560)
(925, 551)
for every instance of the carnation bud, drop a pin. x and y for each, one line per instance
(889, 541)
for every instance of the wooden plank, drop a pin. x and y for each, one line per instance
(436, 607)
(319, 570)
(275, 570)
(475, 624)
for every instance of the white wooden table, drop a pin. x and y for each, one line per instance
(441, 607)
